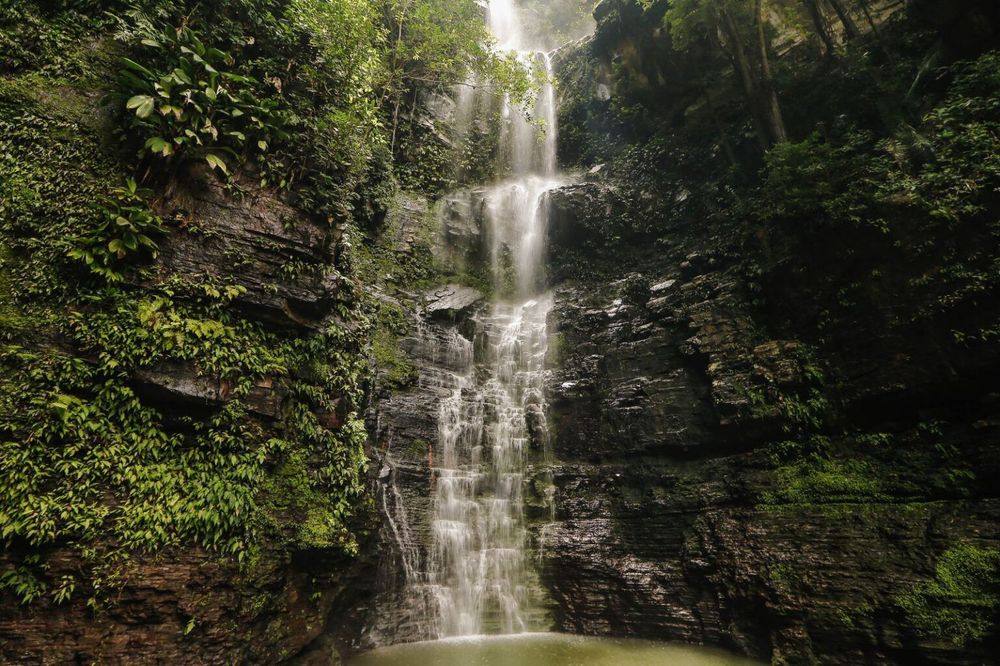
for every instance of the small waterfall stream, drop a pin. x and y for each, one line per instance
(479, 576)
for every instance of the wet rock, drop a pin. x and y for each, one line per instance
(463, 220)
(594, 173)
(187, 605)
(577, 214)
(191, 608)
(535, 417)
(407, 217)
(174, 384)
(285, 260)
(661, 530)
(452, 302)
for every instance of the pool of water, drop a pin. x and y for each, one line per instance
(546, 650)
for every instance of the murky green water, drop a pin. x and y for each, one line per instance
(546, 650)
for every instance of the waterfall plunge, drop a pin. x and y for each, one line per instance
(479, 577)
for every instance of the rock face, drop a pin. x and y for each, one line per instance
(286, 261)
(452, 302)
(179, 609)
(679, 513)
(404, 426)
(184, 606)
(674, 517)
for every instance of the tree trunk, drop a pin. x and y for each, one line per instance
(819, 22)
(875, 31)
(850, 27)
(727, 147)
(868, 15)
(741, 63)
(775, 121)
(395, 121)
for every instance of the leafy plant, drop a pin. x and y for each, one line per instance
(23, 579)
(125, 231)
(190, 107)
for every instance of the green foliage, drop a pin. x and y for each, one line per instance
(44, 201)
(336, 91)
(960, 604)
(91, 461)
(823, 182)
(433, 44)
(819, 480)
(188, 106)
(346, 38)
(442, 41)
(941, 169)
(397, 372)
(74, 435)
(126, 230)
(923, 198)
(690, 20)
(22, 579)
(35, 37)
(801, 404)
(553, 23)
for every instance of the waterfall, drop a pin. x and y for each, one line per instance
(479, 576)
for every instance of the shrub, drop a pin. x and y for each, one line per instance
(189, 107)
(125, 231)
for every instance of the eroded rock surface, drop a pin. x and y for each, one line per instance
(674, 515)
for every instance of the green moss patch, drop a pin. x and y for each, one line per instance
(961, 603)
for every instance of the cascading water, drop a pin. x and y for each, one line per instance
(479, 577)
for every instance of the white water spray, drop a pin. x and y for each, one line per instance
(479, 576)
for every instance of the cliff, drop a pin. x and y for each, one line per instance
(771, 380)
(183, 461)
(775, 430)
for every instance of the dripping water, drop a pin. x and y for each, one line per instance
(479, 577)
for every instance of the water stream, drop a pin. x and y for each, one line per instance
(479, 574)
(476, 594)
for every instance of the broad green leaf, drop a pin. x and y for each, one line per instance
(133, 65)
(132, 80)
(156, 144)
(182, 76)
(143, 105)
(216, 162)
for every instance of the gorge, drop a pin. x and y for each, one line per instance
(518, 332)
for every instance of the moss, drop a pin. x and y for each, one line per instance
(856, 616)
(418, 448)
(298, 512)
(13, 320)
(320, 529)
(961, 603)
(396, 371)
(820, 481)
(784, 577)
(557, 349)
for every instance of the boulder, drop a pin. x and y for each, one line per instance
(452, 302)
